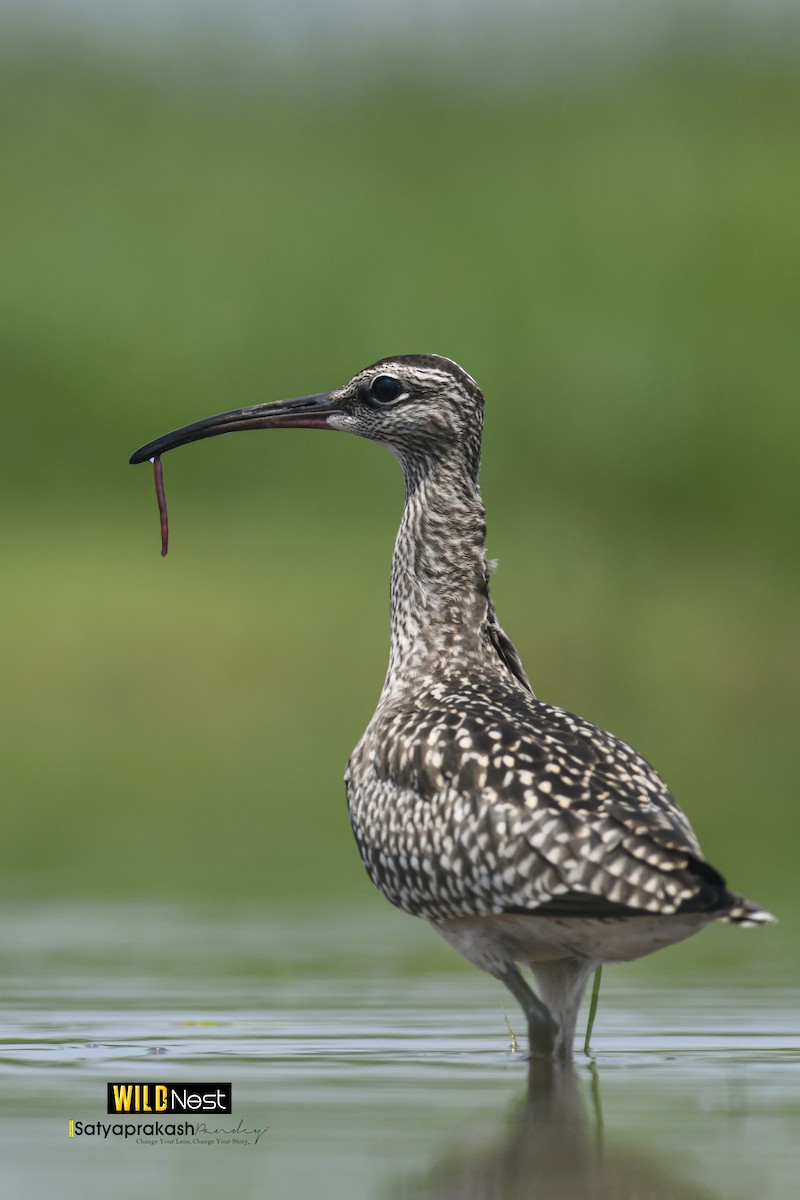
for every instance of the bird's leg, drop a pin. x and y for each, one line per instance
(542, 1029)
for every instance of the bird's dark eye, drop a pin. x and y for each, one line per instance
(385, 389)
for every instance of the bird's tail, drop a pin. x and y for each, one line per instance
(746, 912)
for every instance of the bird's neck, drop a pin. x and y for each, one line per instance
(440, 577)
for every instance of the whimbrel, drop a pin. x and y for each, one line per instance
(525, 835)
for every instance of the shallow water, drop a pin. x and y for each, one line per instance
(378, 1071)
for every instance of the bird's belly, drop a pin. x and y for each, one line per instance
(493, 940)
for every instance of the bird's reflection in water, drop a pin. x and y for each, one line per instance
(549, 1151)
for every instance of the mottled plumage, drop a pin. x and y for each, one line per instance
(523, 834)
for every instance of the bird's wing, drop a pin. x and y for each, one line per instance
(505, 649)
(488, 806)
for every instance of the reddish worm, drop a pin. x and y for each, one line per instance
(158, 471)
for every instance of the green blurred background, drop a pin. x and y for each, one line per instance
(598, 220)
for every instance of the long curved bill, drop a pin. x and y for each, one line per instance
(304, 412)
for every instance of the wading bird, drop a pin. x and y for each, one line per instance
(523, 834)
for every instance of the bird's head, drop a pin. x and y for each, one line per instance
(421, 406)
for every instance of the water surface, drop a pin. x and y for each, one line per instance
(379, 1066)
